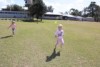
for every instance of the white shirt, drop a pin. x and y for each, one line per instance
(59, 33)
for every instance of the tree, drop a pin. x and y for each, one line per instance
(85, 12)
(38, 9)
(13, 7)
(66, 12)
(50, 9)
(97, 13)
(93, 10)
(75, 12)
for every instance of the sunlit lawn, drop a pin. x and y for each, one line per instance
(34, 42)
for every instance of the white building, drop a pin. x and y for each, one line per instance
(50, 15)
(14, 14)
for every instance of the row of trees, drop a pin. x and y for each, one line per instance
(93, 10)
(13, 7)
(38, 8)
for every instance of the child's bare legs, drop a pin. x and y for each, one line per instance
(13, 31)
(62, 42)
(57, 43)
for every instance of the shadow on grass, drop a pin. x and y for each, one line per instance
(34, 21)
(28, 20)
(53, 55)
(6, 37)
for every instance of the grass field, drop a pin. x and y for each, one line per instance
(34, 42)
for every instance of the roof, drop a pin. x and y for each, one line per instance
(51, 13)
(68, 15)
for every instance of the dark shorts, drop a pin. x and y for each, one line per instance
(13, 29)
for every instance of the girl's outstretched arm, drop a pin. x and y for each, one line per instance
(9, 26)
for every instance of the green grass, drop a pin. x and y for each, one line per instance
(34, 42)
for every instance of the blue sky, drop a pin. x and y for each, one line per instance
(58, 5)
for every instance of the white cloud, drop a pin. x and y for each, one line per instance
(78, 4)
(58, 5)
(66, 5)
(4, 3)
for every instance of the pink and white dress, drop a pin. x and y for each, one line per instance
(13, 26)
(59, 34)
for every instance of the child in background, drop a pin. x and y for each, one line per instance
(59, 35)
(13, 27)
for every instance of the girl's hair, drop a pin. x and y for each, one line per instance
(60, 25)
(13, 22)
